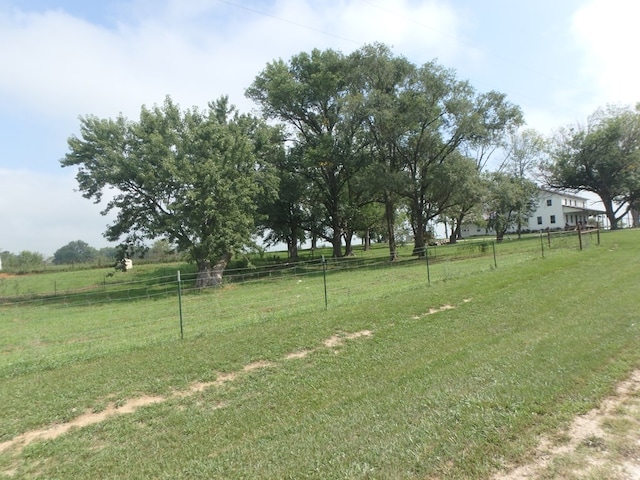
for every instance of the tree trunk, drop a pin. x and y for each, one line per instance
(419, 231)
(611, 214)
(336, 243)
(519, 229)
(211, 275)
(292, 249)
(367, 240)
(453, 238)
(458, 231)
(336, 231)
(456, 228)
(348, 242)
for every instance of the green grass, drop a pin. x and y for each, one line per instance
(453, 394)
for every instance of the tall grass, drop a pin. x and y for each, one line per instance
(456, 379)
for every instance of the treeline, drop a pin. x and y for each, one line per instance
(362, 144)
(80, 253)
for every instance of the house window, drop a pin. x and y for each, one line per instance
(553, 219)
(539, 220)
(548, 202)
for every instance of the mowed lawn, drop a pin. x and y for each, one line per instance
(397, 378)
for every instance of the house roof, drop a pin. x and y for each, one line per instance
(575, 209)
(563, 194)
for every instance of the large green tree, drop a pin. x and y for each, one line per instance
(448, 115)
(602, 157)
(381, 80)
(75, 252)
(509, 201)
(525, 152)
(454, 188)
(285, 218)
(418, 120)
(310, 94)
(191, 177)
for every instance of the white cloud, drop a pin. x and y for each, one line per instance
(40, 212)
(60, 66)
(607, 31)
(61, 63)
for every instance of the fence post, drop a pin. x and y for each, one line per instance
(426, 254)
(495, 261)
(542, 245)
(579, 238)
(324, 275)
(598, 232)
(180, 304)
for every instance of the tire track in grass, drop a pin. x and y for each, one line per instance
(590, 449)
(90, 417)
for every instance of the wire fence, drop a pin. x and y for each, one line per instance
(163, 303)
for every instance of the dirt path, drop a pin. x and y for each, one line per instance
(602, 444)
(17, 444)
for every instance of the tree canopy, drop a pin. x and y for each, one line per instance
(602, 157)
(191, 177)
(373, 118)
(75, 252)
(509, 201)
(310, 93)
(362, 141)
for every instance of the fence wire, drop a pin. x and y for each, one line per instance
(124, 312)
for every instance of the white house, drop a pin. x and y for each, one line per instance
(556, 211)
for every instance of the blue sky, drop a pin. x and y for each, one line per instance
(558, 60)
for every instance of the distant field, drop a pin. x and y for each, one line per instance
(443, 370)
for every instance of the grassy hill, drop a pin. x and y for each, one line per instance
(402, 373)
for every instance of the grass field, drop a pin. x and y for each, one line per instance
(397, 377)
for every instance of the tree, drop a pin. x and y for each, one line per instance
(448, 115)
(525, 152)
(190, 177)
(283, 218)
(510, 200)
(75, 252)
(161, 251)
(381, 80)
(455, 190)
(310, 94)
(501, 119)
(602, 157)
(418, 119)
(25, 261)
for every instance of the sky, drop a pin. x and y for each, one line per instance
(59, 60)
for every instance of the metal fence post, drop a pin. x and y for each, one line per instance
(324, 275)
(495, 261)
(426, 254)
(180, 305)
